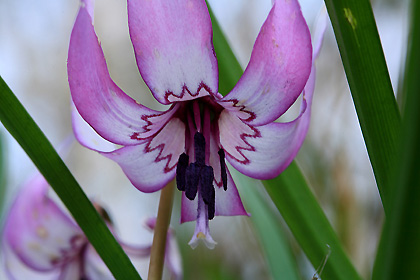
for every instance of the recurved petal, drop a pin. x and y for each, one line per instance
(228, 203)
(87, 136)
(265, 151)
(15, 269)
(319, 32)
(112, 113)
(278, 69)
(72, 270)
(94, 268)
(136, 251)
(172, 255)
(188, 209)
(90, 5)
(151, 165)
(173, 46)
(173, 258)
(38, 232)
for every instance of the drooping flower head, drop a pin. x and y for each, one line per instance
(41, 241)
(201, 129)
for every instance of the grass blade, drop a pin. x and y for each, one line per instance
(281, 262)
(367, 74)
(399, 250)
(22, 127)
(309, 224)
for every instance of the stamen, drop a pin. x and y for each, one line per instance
(181, 167)
(199, 148)
(211, 206)
(192, 175)
(223, 168)
(206, 131)
(197, 177)
(197, 116)
(191, 129)
(206, 184)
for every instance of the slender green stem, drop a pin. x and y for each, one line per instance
(157, 255)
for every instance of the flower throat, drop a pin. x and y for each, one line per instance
(198, 176)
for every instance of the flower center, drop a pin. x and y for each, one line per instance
(196, 177)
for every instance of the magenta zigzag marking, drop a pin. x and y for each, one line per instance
(257, 134)
(186, 90)
(219, 184)
(235, 102)
(243, 136)
(161, 147)
(145, 118)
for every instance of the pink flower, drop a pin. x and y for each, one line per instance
(191, 140)
(41, 241)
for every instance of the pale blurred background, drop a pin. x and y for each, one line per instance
(34, 37)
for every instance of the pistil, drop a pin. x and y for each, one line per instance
(201, 231)
(197, 115)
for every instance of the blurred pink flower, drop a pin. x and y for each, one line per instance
(190, 141)
(41, 241)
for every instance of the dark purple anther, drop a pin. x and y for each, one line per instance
(199, 148)
(223, 168)
(181, 167)
(206, 183)
(192, 175)
(211, 205)
(207, 189)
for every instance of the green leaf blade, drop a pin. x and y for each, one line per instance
(367, 74)
(399, 250)
(309, 224)
(281, 262)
